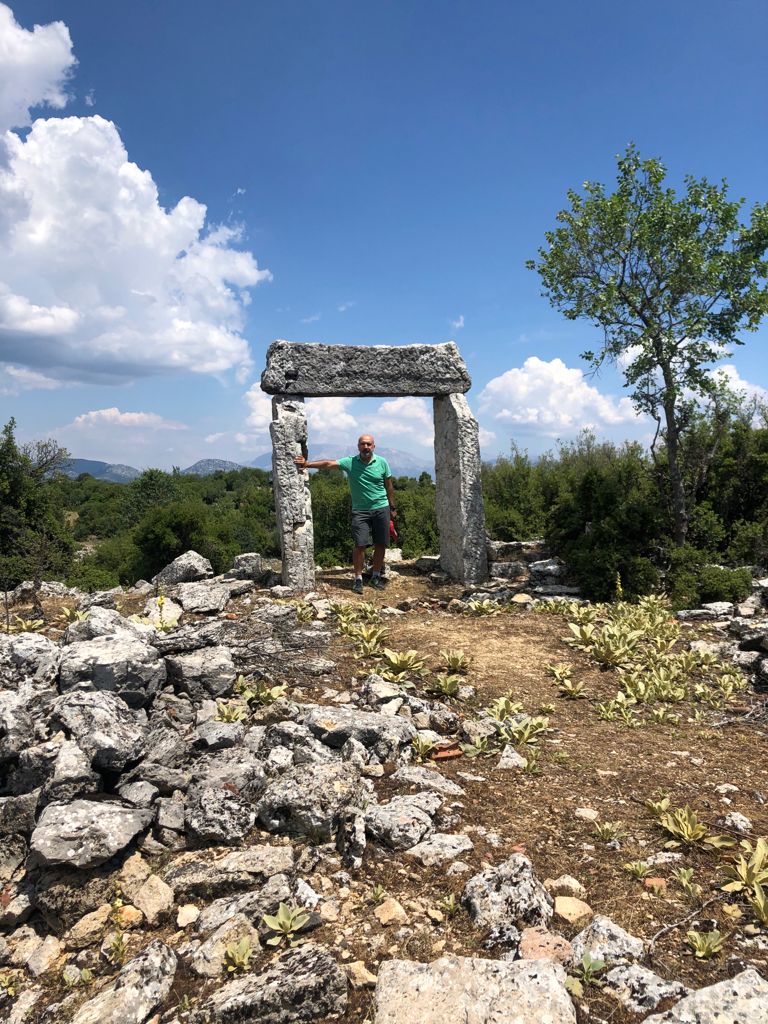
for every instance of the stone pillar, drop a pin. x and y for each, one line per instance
(459, 496)
(293, 503)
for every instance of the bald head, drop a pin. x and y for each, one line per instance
(365, 445)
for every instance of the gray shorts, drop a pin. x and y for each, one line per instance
(370, 526)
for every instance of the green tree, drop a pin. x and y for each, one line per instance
(33, 536)
(669, 281)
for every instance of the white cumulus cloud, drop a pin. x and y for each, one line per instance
(98, 281)
(552, 398)
(34, 68)
(458, 323)
(115, 418)
(405, 419)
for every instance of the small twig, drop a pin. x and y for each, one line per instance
(678, 924)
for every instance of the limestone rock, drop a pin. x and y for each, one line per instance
(17, 730)
(504, 899)
(426, 778)
(739, 1000)
(28, 655)
(304, 984)
(471, 989)
(386, 736)
(390, 911)
(440, 849)
(293, 503)
(154, 899)
(253, 904)
(86, 833)
(89, 929)
(206, 673)
(163, 612)
(404, 821)
(208, 959)
(604, 940)
(202, 598)
(314, 370)
(459, 498)
(139, 989)
(639, 989)
(310, 799)
(119, 663)
(248, 566)
(187, 568)
(217, 815)
(102, 725)
(572, 909)
(193, 875)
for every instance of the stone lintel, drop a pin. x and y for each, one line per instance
(315, 370)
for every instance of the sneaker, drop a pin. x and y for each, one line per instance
(357, 587)
(377, 582)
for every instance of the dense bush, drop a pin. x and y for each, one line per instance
(603, 507)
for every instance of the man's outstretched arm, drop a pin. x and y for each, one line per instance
(302, 463)
(390, 496)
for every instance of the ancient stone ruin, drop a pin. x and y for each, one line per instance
(298, 371)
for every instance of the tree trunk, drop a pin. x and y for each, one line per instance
(679, 510)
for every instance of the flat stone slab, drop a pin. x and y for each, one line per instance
(364, 370)
(471, 990)
(739, 1000)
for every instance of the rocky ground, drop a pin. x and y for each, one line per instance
(229, 804)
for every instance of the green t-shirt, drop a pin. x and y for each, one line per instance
(366, 481)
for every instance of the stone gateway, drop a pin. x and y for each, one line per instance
(298, 371)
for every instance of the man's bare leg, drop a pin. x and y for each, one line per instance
(378, 558)
(358, 560)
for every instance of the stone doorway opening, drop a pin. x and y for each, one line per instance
(296, 371)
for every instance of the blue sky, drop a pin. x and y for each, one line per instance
(183, 182)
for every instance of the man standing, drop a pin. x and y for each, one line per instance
(373, 504)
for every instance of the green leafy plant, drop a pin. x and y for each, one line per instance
(532, 764)
(747, 872)
(524, 730)
(117, 949)
(285, 923)
(259, 692)
(758, 902)
(450, 905)
(705, 944)
(684, 826)
(503, 708)
(607, 831)
(571, 690)
(403, 663)
(70, 615)
(455, 660)
(684, 878)
(637, 869)
(21, 625)
(378, 893)
(561, 671)
(585, 973)
(482, 607)
(446, 686)
(482, 746)
(305, 612)
(230, 712)
(237, 956)
(422, 747)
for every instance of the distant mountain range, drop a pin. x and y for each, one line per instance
(401, 464)
(117, 474)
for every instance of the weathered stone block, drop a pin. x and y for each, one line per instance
(459, 496)
(360, 370)
(293, 502)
